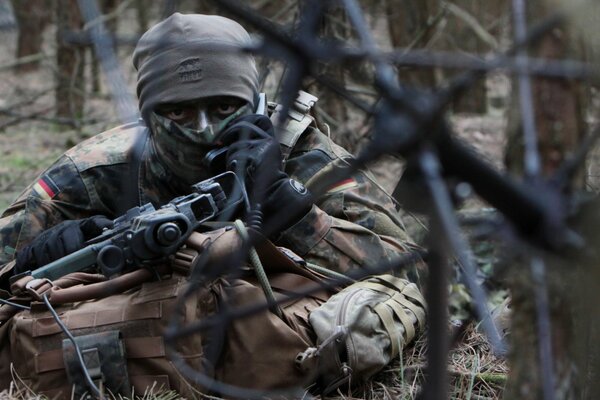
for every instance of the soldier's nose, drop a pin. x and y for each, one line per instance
(202, 119)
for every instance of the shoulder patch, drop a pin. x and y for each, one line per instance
(342, 185)
(45, 188)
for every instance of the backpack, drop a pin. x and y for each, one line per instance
(122, 335)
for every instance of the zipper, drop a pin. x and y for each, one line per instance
(345, 367)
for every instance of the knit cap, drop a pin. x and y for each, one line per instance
(193, 56)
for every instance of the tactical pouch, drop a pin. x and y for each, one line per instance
(362, 328)
(104, 358)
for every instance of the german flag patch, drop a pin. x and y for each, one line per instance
(45, 188)
(342, 185)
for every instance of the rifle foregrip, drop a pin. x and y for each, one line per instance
(74, 262)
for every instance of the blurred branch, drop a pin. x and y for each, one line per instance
(568, 69)
(472, 22)
(118, 11)
(23, 60)
(39, 116)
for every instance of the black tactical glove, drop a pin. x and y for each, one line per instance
(254, 153)
(58, 241)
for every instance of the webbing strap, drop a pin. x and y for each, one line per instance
(409, 291)
(412, 292)
(404, 318)
(298, 120)
(47, 325)
(398, 302)
(378, 288)
(387, 319)
(392, 280)
(143, 347)
(416, 310)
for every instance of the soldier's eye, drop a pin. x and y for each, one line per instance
(226, 109)
(177, 114)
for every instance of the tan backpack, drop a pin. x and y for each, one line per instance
(121, 336)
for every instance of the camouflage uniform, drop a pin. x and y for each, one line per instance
(352, 224)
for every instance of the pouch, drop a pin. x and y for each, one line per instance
(362, 328)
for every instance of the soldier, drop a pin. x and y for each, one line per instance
(197, 97)
(189, 91)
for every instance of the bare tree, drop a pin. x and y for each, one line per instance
(548, 117)
(411, 24)
(70, 61)
(32, 16)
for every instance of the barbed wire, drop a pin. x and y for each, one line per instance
(420, 112)
(411, 123)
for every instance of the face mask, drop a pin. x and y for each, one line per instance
(181, 149)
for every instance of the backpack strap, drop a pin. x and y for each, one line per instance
(299, 119)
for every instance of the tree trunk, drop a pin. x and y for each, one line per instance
(32, 16)
(141, 8)
(467, 31)
(559, 124)
(107, 7)
(70, 62)
(558, 106)
(411, 24)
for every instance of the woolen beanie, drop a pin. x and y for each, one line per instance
(193, 56)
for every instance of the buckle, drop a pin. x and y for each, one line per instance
(38, 287)
(304, 102)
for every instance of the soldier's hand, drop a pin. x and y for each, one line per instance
(59, 241)
(254, 152)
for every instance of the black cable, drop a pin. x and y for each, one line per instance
(66, 331)
(10, 303)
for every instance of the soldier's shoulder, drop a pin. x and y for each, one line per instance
(314, 139)
(107, 148)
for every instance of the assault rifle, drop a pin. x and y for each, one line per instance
(145, 236)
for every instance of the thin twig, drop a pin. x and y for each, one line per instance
(23, 60)
(73, 122)
(472, 22)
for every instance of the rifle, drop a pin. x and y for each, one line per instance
(145, 236)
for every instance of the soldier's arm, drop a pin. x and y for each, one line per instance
(58, 194)
(353, 224)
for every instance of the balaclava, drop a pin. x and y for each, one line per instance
(184, 58)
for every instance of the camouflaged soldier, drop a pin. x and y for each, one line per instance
(195, 97)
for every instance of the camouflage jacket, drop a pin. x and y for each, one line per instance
(354, 223)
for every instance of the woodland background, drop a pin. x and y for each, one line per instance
(54, 94)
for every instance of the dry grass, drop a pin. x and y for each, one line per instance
(475, 373)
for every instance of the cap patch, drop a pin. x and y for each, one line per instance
(45, 188)
(190, 70)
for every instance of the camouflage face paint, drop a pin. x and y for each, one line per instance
(181, 150)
